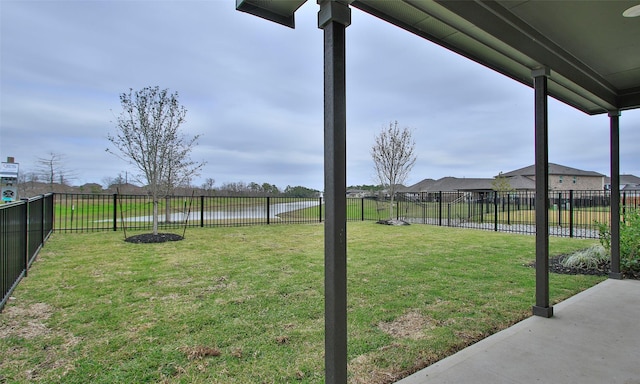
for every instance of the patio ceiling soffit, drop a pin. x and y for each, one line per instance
(279, 11)
(593, 53)
(595, 74)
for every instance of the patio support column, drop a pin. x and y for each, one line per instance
(333, 18)
(542, 307)
(614, 117)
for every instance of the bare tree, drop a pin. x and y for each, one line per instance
(393, 158)
(208, 185)
(119, 180)
(52, 170)
(148, 135)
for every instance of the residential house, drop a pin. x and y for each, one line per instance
(627, 183)
(564, 178)
(630, 188)
(463, 188)
(523, 179)
(356, 193)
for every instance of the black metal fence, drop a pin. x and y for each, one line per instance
(87, 213)
(24, 227)
(571, 213)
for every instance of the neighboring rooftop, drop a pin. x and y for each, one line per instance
(554, 169)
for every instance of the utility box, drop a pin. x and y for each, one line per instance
(9, 180)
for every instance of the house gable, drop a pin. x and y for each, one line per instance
(564, 178)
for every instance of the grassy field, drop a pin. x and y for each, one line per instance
(245, 304)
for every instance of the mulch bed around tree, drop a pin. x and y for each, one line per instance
(148, 238)
(602, 269)
(392, 222)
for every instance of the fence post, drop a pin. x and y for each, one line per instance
(495, 211)
(201, 211)
(508, 209)
(320, 210)
(560, 209)
(571, 213)
(50, 214)
(42, 223)
(26, 237)
(115, 212)
(268, 212)
(440, 208)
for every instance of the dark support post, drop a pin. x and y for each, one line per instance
(560, 209)
(43, 210)
(571, 213)
(320, 210)
(201, 211)
(362, 208)
(115, 212)
(440, 208)
(508, 209)
(614, 117)
(268, 211)
(27, 208)
(333, 18)
(542, 307)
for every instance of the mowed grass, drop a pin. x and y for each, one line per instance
(245, 305)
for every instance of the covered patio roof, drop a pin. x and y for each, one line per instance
(591, 49)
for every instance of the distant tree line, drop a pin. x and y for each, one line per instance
(366, 187)
(259, 189)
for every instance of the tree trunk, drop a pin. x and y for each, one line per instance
(155, 217)
(391, 208)
(167, 210)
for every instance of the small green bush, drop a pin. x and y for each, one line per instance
(587, 258)
(629, 240)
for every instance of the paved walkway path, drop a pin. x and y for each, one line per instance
(593, 338)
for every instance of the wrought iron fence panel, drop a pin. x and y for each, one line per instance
(571, 213)
(24, 227)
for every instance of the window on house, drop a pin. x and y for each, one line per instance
(575, 178)
(560, 180)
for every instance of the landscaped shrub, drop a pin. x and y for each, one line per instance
(629, 240)
(588, 258)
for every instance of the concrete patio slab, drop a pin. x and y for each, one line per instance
(593, 337)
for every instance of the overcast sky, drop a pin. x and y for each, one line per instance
(254, 91)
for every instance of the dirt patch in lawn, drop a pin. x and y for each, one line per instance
(25, 322)
(411, 325)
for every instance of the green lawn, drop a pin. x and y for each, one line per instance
(245, 304)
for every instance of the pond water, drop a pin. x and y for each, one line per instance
(248, 213)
